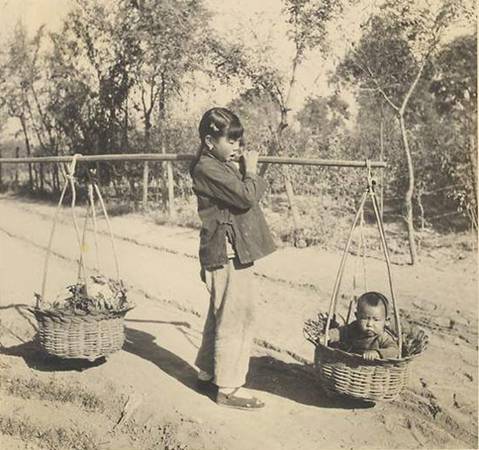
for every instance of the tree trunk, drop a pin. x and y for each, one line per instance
(171, 191)
(421, 210)
(381, 158)
(473, 165)
(29, 152)
(409, 194)
(17, 155)
(288, 186)
(53, 185)
(291, 198)
(56, 177)
(147, 122)
(42, 180)
(35, 177)
(276, 147)
(145, 186)
(125, 125)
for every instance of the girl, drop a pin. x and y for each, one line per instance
(233, 235)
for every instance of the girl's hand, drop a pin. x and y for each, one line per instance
(250, 159)
(371, 355)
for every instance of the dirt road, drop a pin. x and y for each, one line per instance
(143, 397)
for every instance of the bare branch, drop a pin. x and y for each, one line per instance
(368, 72)
(418, 75)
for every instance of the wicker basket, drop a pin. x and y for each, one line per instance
(89, 336)
(344, 373)
(77, 334)
(348, 374)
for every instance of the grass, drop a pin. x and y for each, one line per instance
(325, 223)
(185, 215)
(51, 438)
(58, 437)
(53, 390)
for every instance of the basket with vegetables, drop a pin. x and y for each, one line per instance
(86, 319)
(84, 322)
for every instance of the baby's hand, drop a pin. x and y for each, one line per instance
(371, 355)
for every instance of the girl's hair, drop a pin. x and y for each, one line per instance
(218, 122)
(374, 299)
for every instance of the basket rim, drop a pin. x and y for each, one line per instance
(68, 313)
(361, 361)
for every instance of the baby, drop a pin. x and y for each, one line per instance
(367, 335)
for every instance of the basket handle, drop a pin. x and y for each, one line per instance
(333, 303)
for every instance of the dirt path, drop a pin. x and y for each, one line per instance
(154, 375)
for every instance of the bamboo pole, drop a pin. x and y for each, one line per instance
(381, 158)
(171, 192)
(17, 157)
(189, 157)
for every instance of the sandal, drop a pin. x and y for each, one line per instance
(232, 401)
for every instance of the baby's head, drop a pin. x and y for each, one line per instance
(372, 313)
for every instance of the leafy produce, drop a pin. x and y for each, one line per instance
(101, 294)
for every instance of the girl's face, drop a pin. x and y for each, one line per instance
(372, 319)
(223, 148)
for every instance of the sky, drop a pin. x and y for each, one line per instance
(33, 12)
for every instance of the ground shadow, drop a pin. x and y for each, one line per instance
(180, 326)
(37, 359)
(292, 381)
(295, 382)
(143, 345)
(23, 310)
(176, 324)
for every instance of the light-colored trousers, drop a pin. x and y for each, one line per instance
(228, 331)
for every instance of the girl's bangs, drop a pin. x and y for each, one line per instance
(235, 131)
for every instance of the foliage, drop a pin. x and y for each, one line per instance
(110, 80)
(410, 33)
(454, 87)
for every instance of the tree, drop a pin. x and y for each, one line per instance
(390, 59)
(454, 87)
(19, 74)
(321, 118)
(90, 66)
(307, 21)
(170, 35)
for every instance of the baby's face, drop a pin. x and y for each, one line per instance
(372, 319)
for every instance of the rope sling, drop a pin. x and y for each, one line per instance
(92, 188)
(339, 277)
(73, 334)
(349, 374)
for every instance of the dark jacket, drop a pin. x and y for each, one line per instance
(352, 340)
(228, 205)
